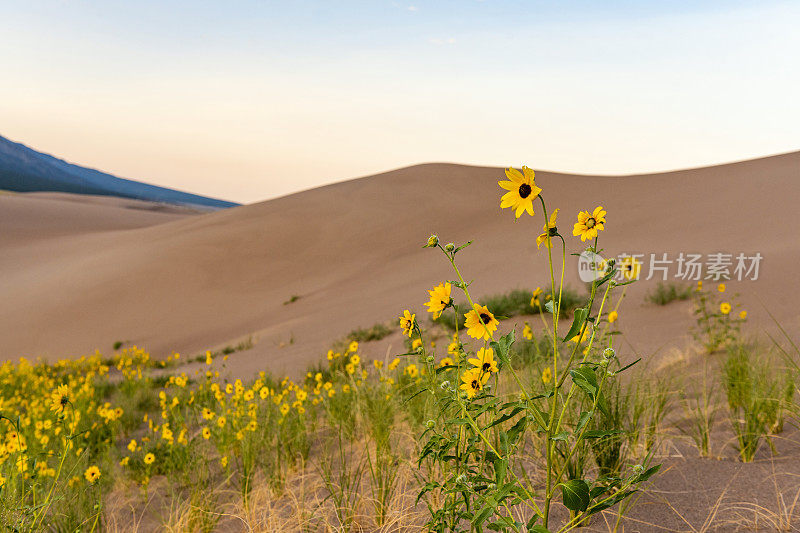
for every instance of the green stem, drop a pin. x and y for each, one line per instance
(491, 336)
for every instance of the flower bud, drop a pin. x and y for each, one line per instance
(429, 359)
(433, 240)
(430, 424)
(609, 353)
(450, 247)
(638, 469)
(444, 385)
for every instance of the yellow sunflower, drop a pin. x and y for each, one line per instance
(149, 459)
(589, 224)
(725, 308)
(440, 299)
(612, 317)
(484, 360)
(527, 332)
(522, 190)
(535, 299)
(473, 381)
(630, 268)
(480, 323)
(59, 399)
(550, 228)
(92, 474)
(547, 374)
(743, 315)
(446, 361)
(407, 322)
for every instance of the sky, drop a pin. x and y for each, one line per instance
(249, 100)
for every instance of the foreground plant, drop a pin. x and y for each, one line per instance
(474, 449)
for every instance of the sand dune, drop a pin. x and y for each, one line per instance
(36, 216)
(79, 276)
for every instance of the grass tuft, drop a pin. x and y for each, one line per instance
(665, 293)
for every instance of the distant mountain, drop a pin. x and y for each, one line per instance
(25, 170)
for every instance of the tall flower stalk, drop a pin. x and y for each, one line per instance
(480, 433)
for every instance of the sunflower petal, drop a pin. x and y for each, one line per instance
(529, 174)
(515, 175)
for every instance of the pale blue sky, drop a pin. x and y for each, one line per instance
(250, 100)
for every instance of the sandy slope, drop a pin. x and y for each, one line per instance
(29, 217)
(352, 252)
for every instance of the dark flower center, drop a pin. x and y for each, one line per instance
(486, 367)
(590, 223)
(485, 318)
(524, 190)
(475, 385)
(64, 400)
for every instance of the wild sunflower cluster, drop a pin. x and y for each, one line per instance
(85, 424)
(56, 433)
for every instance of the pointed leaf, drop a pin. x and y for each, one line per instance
(585, 378)
(577, 322)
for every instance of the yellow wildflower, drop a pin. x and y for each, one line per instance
(522, 190)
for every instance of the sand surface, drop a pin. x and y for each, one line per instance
(81, 273)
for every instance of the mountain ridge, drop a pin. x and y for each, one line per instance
(23, 169)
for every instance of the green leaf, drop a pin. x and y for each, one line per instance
(461, 247)
(626, 367)
(586, 379)
(503, 347)
(548, 306)
(484, 513)
(583, 420)
(618, 497)
(500, 468)
(597, 491)
(607, 277)
(644, 476)
(531, 527)
(563, 436)
(575, 495)
(539, 528)
(505, 417)
(577, 322)
(414, 395)
(599, 433)
(602, 403)
(516, 430)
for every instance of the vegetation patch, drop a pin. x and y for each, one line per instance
(665, 293)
